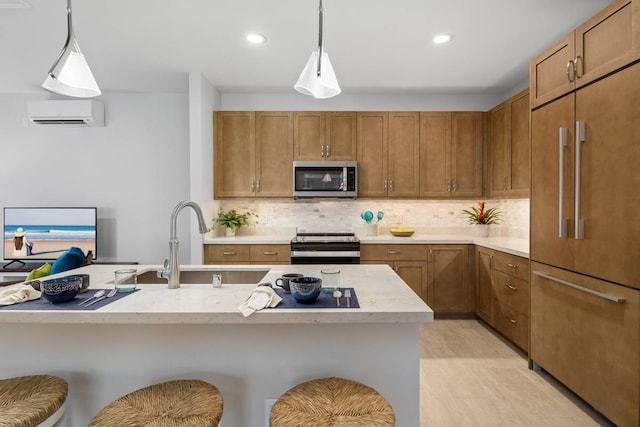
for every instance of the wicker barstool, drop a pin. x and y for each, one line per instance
(179, 403)
(30, 401)
(331, 402)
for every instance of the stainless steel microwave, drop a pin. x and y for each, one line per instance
(325, 179)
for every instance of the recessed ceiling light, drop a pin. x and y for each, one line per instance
(257, 38)
(442, 38)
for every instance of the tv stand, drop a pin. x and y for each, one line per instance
(4, 267)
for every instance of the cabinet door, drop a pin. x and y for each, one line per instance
(497, 148)
(274, 154)
(466, 154)
(435, 154)
(372, 151)
(447, 287)
(546, 244)
(414, 273)
(227, 254)
(484, 290)
(340, 136)
(610, 178)
(590, 344)
(404, 155)
(608, 41)
(551, 73)
(519, 147)
(234, 156)
(270, 254)
(308, 137)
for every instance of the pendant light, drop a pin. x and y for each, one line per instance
(317, 78)
(70, 74)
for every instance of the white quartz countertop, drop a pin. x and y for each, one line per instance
(382, 295)
(511, 245)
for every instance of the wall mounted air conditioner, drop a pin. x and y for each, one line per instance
(81, 112)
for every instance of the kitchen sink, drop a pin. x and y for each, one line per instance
(205, 276)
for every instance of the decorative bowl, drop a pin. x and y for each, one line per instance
(402, 232)
(62, 289)
(305, 289)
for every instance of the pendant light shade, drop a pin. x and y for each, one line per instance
(70, 74)
(318, 79)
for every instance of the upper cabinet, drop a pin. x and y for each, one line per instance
(322, 135)
(253, 154)
(388, 154)
(508, 147)
(608, 41)
(451, 154)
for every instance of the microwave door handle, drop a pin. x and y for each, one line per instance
(344, 179)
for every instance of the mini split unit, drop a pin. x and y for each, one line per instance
(66, 112)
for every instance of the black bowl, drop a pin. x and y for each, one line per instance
(61, 290)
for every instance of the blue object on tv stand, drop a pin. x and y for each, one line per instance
(72, 258)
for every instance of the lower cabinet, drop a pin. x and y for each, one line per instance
(246, 254)
(502, 294)
(439, 274)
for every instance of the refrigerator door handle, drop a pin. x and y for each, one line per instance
(562, 142)
(580, 138)
(608, 297)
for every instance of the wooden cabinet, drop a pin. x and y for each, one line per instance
(451, 154)
(585, 332)
(502, 294)
(253, 154)
(608, 41)
(508, 147)
(439, 274)
(449, 287)
(324, 135)
(604, 160)
(408, 261)
(388, 154)
(246, 254)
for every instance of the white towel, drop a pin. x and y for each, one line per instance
(17, 293)
(261, 297)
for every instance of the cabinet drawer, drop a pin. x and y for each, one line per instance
(512, 291)
(270, 253)
(513, 324)
(512, 265)
(227, 254)
(393, 252)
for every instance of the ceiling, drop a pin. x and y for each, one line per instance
(375, 46)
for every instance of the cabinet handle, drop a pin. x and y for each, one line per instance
(328, 151)
(253, 186)
(322, 150)
(448, 186)
(513, 321)
(385, 185)
(510, 286)
(512, 265)
(571, 71)
(580, 137)
(228, 253)
(393, 252)
(258, 186)
(391, 185)
(455, 185)
(562, 143)
(578, 69)
(270, 253)
(580, 288)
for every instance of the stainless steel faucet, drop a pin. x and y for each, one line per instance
(171, 270)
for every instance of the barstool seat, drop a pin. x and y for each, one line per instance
(30, 401)
(331, 402)
(178, 403)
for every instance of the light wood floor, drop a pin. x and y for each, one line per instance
(470, 376)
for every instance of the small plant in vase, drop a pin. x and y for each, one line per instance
(232, 220)
(482, 217)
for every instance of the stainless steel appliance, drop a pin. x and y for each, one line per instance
(325, 179)
(325, 248)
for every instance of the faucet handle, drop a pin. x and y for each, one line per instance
(162, 274)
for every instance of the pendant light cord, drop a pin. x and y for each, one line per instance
(70, 36)
(319, 39)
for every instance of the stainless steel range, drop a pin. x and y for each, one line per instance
(325, 248)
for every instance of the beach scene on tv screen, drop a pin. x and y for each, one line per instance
(46, 233)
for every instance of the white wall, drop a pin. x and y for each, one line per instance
(135, 169)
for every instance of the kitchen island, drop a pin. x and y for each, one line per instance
(196, 331)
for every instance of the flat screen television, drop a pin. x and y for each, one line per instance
(43, 234)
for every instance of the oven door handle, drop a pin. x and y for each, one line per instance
(328, 254)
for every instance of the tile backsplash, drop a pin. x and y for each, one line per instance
(344, 215)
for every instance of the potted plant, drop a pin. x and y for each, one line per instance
(482, 217)
(232, 220)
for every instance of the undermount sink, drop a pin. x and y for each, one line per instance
(205, 276)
